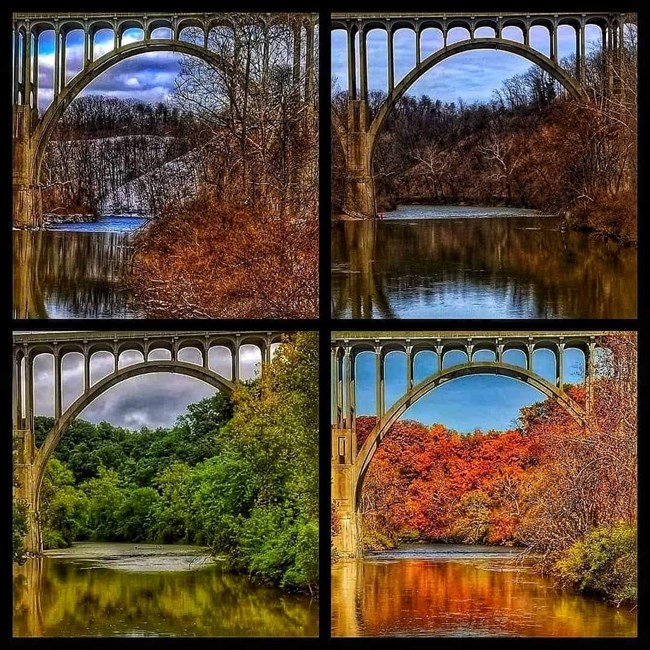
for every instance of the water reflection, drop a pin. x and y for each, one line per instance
(66, 273)
(478, 596)
(59, 597)
(504, 267)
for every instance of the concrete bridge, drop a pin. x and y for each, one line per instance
(350, 462)
(30, 461)
(359, 136)
(31, 131)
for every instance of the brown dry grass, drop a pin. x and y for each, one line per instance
(205, 262)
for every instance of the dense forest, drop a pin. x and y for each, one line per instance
(565, 493)
(239, 476)
(531, 146)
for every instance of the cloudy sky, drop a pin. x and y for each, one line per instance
(153, 400)
(148, 77)
(473, 76)
(477, 401)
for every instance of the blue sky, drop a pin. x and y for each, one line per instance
(471, 75)
(148, 77)
(478, 401)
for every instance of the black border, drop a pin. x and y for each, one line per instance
(325, 324)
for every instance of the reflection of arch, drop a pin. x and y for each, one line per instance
(54, 436)
(568, 82)
(45, 127)
(371, 444)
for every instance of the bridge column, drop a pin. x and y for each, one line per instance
(560, 365)
(58, 388)
(553, 42)
(335, 388)
(27, 66)
(363, 66)
(379, 387)
(26, 193)
(439, 354)
(347, 413)
(391, 63)
(86, 368)
(530, 348)
(359, 189)
(347, 541)
(25, 490)
(23, 458)
(583, 50)
(235, 359)
(57, 60)
(35, 75)
(409, 367)
(418, 53)
(17, 393)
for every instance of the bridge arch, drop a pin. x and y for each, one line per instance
(45, 128)
(382, 427)
(99, 388)
(568, 81)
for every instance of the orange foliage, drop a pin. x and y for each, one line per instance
(435, 484)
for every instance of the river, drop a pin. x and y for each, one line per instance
(461, 262)
(462, 591)
(74, 270)
(107, 589)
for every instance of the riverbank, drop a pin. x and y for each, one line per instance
(613, 220)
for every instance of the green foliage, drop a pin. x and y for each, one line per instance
(603, 562)
(240, 476)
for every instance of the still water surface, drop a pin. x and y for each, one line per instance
(462, 262)
(456, 590)
(106, 589)
(74, 270)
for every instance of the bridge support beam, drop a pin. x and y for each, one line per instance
(359, 187)
(25, 491)
(347, 541)
(26, 194)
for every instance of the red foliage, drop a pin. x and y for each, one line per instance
(436, 484)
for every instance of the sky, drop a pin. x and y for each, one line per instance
(153, 400)
(148, 77)
(472, 76)
(465, 404)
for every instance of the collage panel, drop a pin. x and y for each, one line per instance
(484, 165)
(165, 484)
(165, 165)
(484, 484)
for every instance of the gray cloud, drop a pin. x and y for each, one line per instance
(150, 400)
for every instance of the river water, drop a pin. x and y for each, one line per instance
(462, 591)
(460, 262)
(74, 270)
(106, 589)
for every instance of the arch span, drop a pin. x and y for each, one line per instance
(371, 444)
(94, 69)
(569, 82)
(146, 367)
